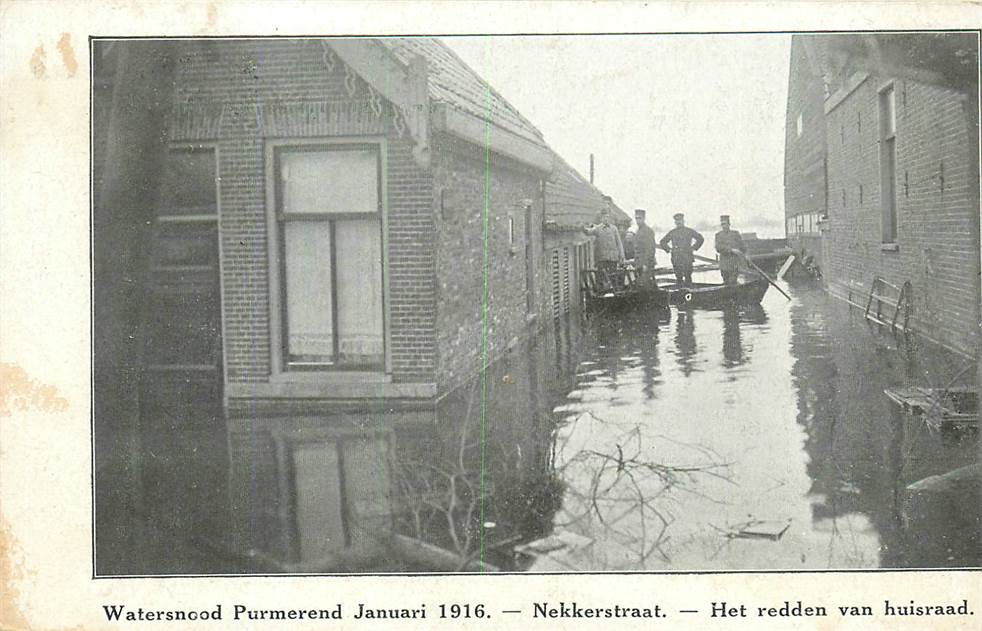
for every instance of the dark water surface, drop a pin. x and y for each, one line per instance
(658, 441)
(668, 441)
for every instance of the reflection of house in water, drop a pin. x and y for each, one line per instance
(862, 454)
(344, 232)
(493, 441)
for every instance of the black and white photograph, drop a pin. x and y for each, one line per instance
(550, 303)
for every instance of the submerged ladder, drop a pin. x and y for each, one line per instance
(899, 302)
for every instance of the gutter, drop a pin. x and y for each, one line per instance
(474, 129)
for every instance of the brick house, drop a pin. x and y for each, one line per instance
(805, 159)
(317, 273)
(892, 184)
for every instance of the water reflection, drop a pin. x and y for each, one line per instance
(658, 441)
(863, 451)
(733, 316)
(685, 340)
(655, 441)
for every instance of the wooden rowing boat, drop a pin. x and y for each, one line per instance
(623, 290)
(749, 290)
(620, 290)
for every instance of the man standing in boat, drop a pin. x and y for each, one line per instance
(608, 247)
(683, 241)
(644, 249)
(731, 250)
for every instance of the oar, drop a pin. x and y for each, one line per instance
(752, 264)
(705, 259)
(764, 274)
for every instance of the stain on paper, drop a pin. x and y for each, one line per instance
(212, 15)
(10, 573)
(18, 392)
(37, 62)
(67, 54)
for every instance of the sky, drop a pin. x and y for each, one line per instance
(677, 123)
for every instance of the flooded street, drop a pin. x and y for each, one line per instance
(747, 438)
(681, 440)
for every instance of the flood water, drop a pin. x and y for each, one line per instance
(745, 438)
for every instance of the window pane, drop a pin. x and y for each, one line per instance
(359, 259)
(189, 183)
(330, 182)
(888, 112)
(310, 325)
(185, 243)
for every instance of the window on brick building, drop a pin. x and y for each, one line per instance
(329, 229)
(888, 164)
(529, 263)
(797, 125)
(183, 280)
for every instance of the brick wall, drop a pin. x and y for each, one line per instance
(938, 213)
(804, 156)
(219, 89)
(241, 94)
(459, 179)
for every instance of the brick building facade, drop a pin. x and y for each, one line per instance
(347, 231)
(246, 111)
(900, 119)
(805, 154)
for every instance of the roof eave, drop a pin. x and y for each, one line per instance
(478, 131)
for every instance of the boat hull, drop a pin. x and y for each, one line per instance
(711, 295)
(632, 299)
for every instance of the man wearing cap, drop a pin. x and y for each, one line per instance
(608, 248)
(730, 246)
(644, 248)
(683, 241)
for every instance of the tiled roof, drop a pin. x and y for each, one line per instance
(453, 82)
(572, 201)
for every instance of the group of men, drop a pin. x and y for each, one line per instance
(681, 242)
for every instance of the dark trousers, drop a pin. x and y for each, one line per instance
(730, 276)
(683, 273)
(606, 271)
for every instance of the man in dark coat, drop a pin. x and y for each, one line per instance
(644, 248)
(730, 246)
(683, 241)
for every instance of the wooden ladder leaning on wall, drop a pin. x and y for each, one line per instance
(899, 303)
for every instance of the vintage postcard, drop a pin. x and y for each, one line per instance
(490, 316)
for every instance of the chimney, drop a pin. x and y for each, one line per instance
(591, 168)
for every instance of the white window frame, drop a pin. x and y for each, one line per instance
(216, 218)
(889, 201)
(279, 372)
